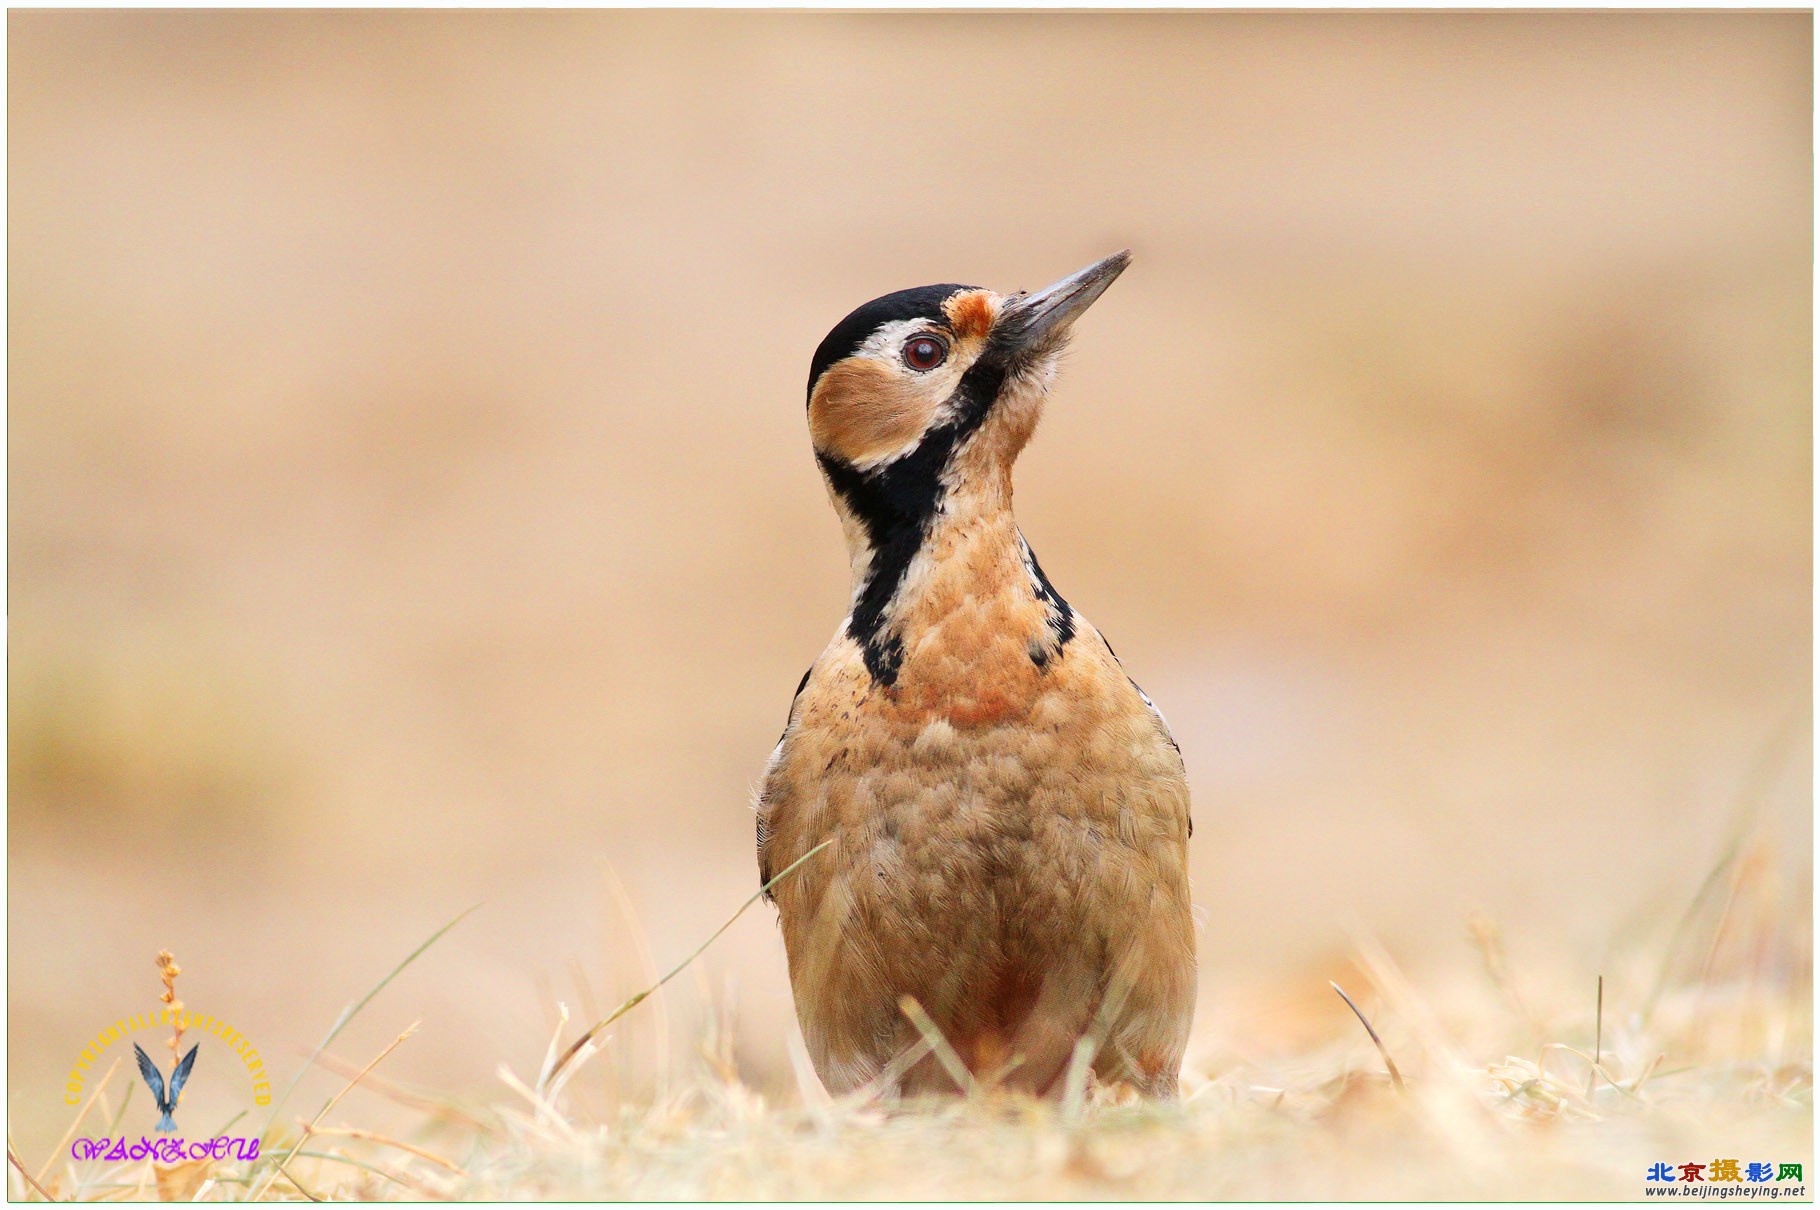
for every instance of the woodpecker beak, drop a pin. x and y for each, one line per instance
(1035, 321)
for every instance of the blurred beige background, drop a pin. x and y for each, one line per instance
(410, 504)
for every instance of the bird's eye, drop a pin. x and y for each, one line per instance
(925, 352)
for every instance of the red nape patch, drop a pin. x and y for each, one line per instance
(971, 313)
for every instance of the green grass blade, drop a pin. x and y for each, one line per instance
(113, 1127)
(593, 1031)
(353, 1010)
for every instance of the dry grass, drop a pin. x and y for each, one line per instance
(1486, 1084)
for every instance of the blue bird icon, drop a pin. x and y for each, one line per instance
(154, 1079)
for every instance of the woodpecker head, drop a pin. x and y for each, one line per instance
(919, 403)
(904, 383)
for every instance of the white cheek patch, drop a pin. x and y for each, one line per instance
(887, 341)
(1034, 378)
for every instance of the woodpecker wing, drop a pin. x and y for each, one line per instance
(1155, 713)
(181, 1074)
(1163, 723)
(764, 828)
(154, 1079)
